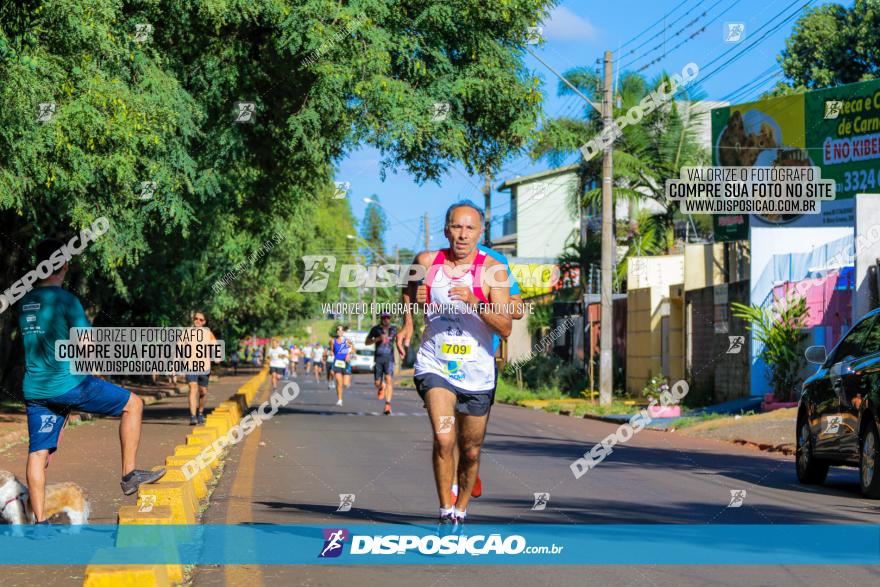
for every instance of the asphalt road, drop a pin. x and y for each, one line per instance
(293, 468)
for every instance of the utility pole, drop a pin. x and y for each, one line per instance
(582, 272)
(606, 374)
(487, 195)
(427, 234)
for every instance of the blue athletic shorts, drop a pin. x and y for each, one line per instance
(46, 417)
(202, 379)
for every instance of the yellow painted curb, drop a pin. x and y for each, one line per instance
(197, 484)
(209, 433)
(191, 451)
(177, 495)
(157, 514)
(219, 425)
(204, 474)
(223, 419)
(174, 571)
(127, 575)
(236, 409)
(218, 428)
(155, 536)
(174, 499)
(219, 422)
(202, 440)
(231, 408)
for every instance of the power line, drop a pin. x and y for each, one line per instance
(662, 44)
(694, 35)
(732, 93)
(757, 41)
(768, 74)
(763, 26)
(659, 20)
(756, 92)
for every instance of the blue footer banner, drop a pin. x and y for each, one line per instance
(382, 544)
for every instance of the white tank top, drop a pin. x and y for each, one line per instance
(456, 343)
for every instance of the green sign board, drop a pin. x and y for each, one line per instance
(836, 129)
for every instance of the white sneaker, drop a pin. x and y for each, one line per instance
(330, 385)
(339, 402)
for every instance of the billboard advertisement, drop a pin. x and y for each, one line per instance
(835, 129)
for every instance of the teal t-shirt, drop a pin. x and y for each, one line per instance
(47, 314)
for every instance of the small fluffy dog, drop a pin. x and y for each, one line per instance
(15, 507)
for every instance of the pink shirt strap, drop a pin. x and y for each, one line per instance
(436, 265)
(476, 271)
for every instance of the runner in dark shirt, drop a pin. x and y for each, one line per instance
(383, 336)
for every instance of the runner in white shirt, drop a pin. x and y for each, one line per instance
(318, 361)
(277, 362)
(455, 366)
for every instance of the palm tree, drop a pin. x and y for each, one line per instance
(645, 156)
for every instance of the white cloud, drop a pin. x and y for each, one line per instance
(565, 25)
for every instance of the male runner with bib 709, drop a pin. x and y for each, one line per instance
(468, 299)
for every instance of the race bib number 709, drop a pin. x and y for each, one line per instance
(456, 348)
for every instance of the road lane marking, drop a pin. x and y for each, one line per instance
(239, 509)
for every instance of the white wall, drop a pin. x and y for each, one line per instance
(543, 221)
(519, 343)
(655, 272)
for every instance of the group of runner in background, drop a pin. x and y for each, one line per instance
(333, 361)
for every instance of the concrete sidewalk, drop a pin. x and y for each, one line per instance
(772, 431)
(89, 455)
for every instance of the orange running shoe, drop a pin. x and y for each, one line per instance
(381, 393)
(477, 491)
(387, 409)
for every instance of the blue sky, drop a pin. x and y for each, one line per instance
(576, 34)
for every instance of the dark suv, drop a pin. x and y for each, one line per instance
(837, 421)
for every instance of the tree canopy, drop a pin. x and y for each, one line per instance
(832, 45)
(207, 132)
